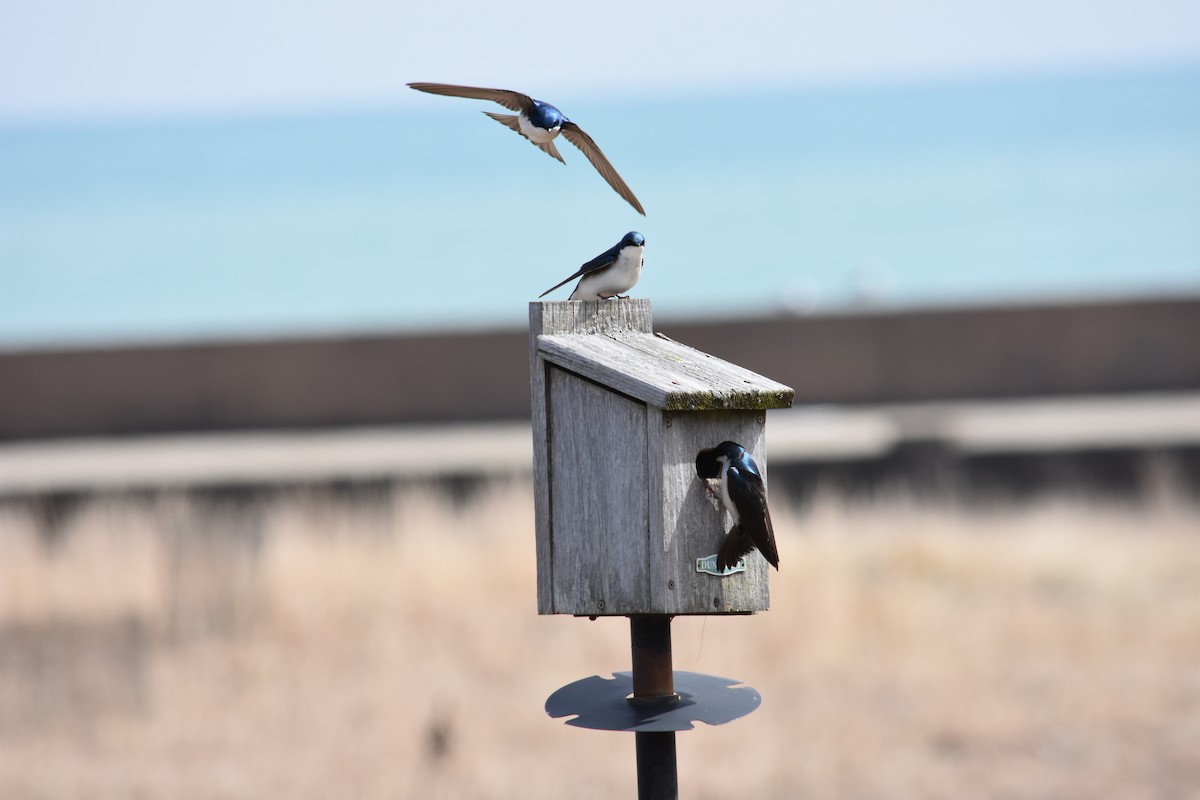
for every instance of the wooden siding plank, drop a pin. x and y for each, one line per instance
(600, 506)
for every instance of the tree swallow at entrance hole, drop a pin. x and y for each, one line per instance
(540, 123)
(745, 498)
(615, 270)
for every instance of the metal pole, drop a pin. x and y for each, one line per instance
(656, 770)
(654, 684)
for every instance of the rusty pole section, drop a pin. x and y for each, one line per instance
(653, 676)
(654, 685)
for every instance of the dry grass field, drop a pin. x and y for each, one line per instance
(314, 645)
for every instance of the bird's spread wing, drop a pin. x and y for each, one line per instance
(749, 496)
(513, 100)
(599, 262)
(576, 136)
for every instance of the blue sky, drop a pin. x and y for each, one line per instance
(82, 59)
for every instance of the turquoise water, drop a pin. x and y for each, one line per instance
(809, 200)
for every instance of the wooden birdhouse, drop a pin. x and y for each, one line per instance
(624, 525)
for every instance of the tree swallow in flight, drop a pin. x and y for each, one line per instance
(614, 271)
(745, 498)
(540, 123)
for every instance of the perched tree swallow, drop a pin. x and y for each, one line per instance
(614, 271)
(745, 498)
(540, 123)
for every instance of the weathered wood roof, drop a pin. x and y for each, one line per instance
(662, 372)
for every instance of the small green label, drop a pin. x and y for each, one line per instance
(708, 565)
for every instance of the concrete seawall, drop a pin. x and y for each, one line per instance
(1049, 350)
